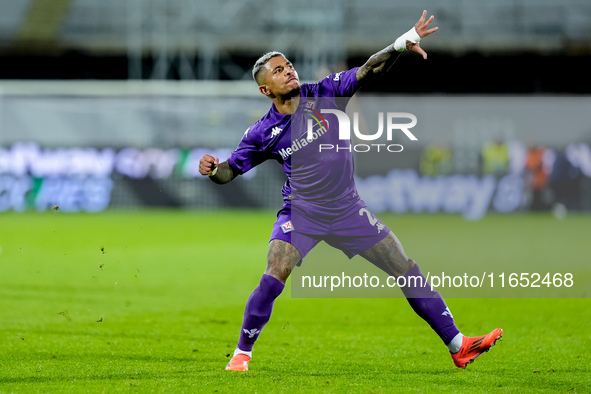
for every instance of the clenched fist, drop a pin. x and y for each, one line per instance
(207, 164)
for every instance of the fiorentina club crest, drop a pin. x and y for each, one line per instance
(287, 227)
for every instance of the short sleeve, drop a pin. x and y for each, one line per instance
(249, 152)
(342, 84)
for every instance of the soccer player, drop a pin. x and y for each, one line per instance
(320, 198)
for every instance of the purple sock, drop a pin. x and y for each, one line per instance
(429, 305)
(258, 310)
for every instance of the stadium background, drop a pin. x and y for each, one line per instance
(144, 88)
(106, 106)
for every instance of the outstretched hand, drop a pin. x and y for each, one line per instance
(422, 28)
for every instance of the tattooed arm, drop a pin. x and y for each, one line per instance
(218, 173)
(379, 63)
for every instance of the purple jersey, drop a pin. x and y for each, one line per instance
(313, 178)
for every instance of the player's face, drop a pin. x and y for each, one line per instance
(281, 79)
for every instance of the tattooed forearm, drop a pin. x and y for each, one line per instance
(224, 173)
(379, 63)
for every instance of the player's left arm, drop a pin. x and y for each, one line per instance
(379, 63)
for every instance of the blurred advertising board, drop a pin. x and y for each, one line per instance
(472, 154)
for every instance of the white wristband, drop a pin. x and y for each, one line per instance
(213, 172)
(411, 35)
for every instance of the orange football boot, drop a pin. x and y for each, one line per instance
(238, 363)
(473, 347)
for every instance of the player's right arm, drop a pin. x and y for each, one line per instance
(219, 173)
(249, 154)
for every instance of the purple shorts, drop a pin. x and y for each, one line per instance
(353, 230)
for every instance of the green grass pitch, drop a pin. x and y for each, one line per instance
(152, 301)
